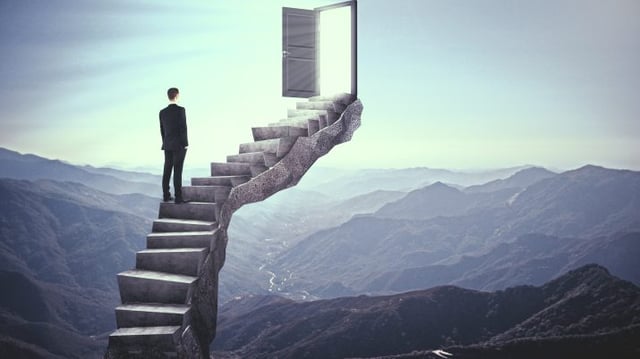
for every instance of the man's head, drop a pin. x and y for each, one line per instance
(173, 93)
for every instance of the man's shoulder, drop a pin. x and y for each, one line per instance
(172, 110)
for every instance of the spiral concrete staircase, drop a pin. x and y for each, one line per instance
(169, 301)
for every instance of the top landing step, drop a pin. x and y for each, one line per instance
(220, 180)
(343, 98)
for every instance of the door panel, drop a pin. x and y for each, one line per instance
(299, 55)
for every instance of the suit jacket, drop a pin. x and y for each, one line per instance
(173, 128)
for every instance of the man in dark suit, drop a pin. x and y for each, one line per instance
(173, 128)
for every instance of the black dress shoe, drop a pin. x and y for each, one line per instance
(179, 201)
(167, 199)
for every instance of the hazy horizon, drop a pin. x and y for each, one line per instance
(444, 84)
(156, 169)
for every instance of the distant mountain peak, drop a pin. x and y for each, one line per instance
(589, 169)
(587, 270)
(532, 170)
(593, 172)
(441, 186)
(521, 179)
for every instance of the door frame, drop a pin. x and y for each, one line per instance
(354, 42)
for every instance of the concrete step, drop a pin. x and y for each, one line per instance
(302, 124)
(279, 146)
(332, 116)
(163, 338)
(315, 105)
(302, 118)
(337, 107)
(162, 225)
(291, 113)
(269, 146)
(314, 126)
(185, 261)
(230, 169)
(254, 158)
(201, 211)
(272, 132)
(151, 315)
(201, 239)
(237, 168)
(342, 98)
(217, 194)
(140, 286)
(220, 180)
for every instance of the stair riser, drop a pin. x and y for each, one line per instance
(164, 342)
(250, 158)
(310, 113)
(181, 227)
(268, 133)
(177, 263)
(205, 194)
(198, 241)
(197, 211)
(129, 318)
(302, 118)
(332, 116)
(280, 146)
(230, 169)
(300, 124)
(270, 146)
(141, 290)
(220, 181)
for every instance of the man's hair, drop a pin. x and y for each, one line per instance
(172, 93)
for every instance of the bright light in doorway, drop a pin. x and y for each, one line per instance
(335, 51)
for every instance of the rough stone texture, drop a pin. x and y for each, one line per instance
(203, 296)
(286, 173)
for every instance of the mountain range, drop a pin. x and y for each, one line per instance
(446, 235)
(580, 306)
(66, 230)
(349, 183)
(61, 245)
(31, 167)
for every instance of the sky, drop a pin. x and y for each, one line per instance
(444, 83)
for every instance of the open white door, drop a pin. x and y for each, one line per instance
(319, 50)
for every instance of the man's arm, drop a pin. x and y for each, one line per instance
(161, 129)
(185, 139)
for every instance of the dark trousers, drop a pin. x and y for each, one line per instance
(173, 160)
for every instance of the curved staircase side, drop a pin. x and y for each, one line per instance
(170, 300)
